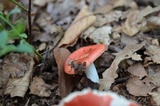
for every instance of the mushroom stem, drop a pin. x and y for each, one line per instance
(92, 74)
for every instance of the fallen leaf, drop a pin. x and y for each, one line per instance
(154, 53)
(130, 3)
(138, 87)
(110, 74)
(137, 70)
(82, 21)
(16, 64)
(41, 2)
(65, 80)
(128, 40)
(153, 22)
(154, 74)
(104, 9)
(19, 86)
(52, 33)
(42, 47)
(62, 9)
(4, 77)
(134, 18)
(99, 35)
(40, 88)
(156, 96)
(108, 18)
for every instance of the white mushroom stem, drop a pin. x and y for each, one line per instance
(92, 74)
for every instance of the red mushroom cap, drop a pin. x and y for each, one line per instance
(85, 55)
(95, 98)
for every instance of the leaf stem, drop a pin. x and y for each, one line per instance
(19, 5)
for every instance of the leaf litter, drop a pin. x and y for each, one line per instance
(129, 67)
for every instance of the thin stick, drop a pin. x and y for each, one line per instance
(29, 23)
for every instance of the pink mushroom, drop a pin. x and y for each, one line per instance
(95, 98)
(82, 60)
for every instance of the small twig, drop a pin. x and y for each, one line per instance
(19, 5)
(29, 23)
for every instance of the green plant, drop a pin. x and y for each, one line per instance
(15, 31)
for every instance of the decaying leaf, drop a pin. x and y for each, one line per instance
(99, 35)
(131, 25)
(41, 2)
(137, 70)
(19, 86)
(82, 21)
(42, 47)
(138, 87)
(153, 22)
(112, 16)
(156, 96)
(154, 52)
(16, 64)
(110, 74)
(40, 88)
(154, 74)
(65, 81)
(104, 9)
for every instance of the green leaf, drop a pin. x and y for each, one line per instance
(12, 34)
(7, 49)
(24, 47)
(1, 27)
(1, 13)
(20, 26)
(23, 35)
(3, 38)
(14, 11)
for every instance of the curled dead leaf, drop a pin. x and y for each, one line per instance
(154, 52)
(40, 88)
(19, 86)
(134, 18)
(82, 21)
(137, 70)
(65, 81)
(138, 87)
(110, 74)
(99, 35)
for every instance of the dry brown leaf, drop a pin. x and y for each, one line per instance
(41, 47)
(131, 25)
(19, 86)
(112, 16)
(99, 35)
(156, 96)
(4, 77)
(82, 21)
(154, 74)
(137, 70)
(127, 3)
(110, 74)
(41, 2)
(128, 40)
(154, 52)
(104, 9)
(65, 81)
(40, 88)
(16, 64)
(138, 87)
(153, 22)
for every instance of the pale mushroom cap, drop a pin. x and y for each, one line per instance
(88, 97)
